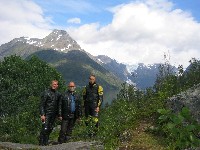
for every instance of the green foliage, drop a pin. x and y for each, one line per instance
(191, 76)
(116, 119)
(169, 83)
(113, 121)
(24, 127)
(20, 79)
(131, 106)
(23, 81)
(179, 128)
(21, 85)
(81, 131)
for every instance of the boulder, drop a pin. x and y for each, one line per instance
(190, 99)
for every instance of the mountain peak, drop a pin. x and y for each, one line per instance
(60, 40)
(59, 32)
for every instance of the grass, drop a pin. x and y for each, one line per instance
(140, 139)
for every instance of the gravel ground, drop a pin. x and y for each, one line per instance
(65, 146)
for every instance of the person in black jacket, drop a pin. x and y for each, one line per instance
(93, 98)
(70, 107)
(48, 111)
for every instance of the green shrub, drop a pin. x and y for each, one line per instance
(180, 129)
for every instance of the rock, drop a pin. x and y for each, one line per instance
(189, 99)
(80, 145)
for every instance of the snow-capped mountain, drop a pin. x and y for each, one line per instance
(57, 40)
(118, 69)
(60, 41)
(131, 67)
(145, 75)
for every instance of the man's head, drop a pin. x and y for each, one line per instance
(54, 84)
(92, 79)
(71, 86)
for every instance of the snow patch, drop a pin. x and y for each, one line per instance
(101, 61)
(69, 45)
(130, 82)
(27, 38)
(31, 42)
(62, 49)
(131, 68)
(58, 37)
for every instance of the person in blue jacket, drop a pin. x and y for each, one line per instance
(70, 110)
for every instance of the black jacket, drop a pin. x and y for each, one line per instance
(93, 95)
(49, 102)
(64, 106)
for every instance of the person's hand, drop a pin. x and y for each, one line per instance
(43, 118)
(60, 118)
(78, 120)
(97, 109)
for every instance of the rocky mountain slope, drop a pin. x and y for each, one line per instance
(118, 69)
(144, 76)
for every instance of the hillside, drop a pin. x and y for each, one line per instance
(65, 54)
(76, 66)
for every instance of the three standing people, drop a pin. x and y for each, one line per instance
(68, 108)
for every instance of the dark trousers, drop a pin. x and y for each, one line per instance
(90, 111)
(66, 129)
(47, 127)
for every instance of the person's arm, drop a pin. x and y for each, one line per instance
(42, 105)
(60, 102)
(100, 100)
(84, 93)
(100, 93)
(79, 107)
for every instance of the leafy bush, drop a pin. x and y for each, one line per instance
(180, 129)
(116, 119)
(22, 82)
(24, 127)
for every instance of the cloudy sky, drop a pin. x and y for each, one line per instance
(129, 31)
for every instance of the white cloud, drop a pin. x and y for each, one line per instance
(143, 31)
(22, 18)
(74, 20)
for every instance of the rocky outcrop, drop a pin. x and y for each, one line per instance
(66, 146)
(189, 99)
